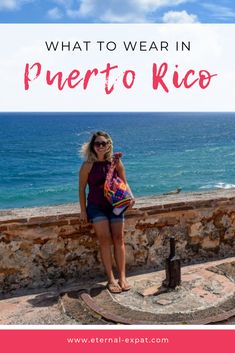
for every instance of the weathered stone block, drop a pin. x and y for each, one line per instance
(208, 243)
(196, 230)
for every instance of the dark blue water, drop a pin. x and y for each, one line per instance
(39, 159)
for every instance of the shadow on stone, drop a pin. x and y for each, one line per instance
(95, 291)
(44, 300)
(74, 294)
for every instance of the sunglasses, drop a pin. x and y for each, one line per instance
(99, 144)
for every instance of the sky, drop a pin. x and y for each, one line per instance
(117, 11)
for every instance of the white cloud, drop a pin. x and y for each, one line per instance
(55, 13)
(128, 11)
(111, 16)
(12, 4)
(70, 7)
(73, 13)
(151, 5)
(219, 11)
(65, 3)
(114, 10)
(179, 17)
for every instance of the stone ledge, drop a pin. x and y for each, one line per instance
(43, 246)
(154, 204)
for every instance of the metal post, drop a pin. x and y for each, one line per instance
(173, 268)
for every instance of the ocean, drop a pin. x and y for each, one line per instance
(39, 153)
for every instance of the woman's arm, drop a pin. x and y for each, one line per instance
(122, 174)
(83, 178)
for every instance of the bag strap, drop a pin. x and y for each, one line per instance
(115, 160)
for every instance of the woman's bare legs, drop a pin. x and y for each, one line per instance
(102, 230)
(117, 229)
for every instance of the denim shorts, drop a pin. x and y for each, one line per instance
(98, 213)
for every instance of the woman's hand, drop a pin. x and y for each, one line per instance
(83, 217)
(132, 203)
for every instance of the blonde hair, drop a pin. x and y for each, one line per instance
(88, 151)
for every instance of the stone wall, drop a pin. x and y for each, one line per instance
(43, 246)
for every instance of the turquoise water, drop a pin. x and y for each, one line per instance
(39, 159)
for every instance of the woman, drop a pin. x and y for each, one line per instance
(108, 227)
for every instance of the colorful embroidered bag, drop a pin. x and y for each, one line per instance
(115, 189)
